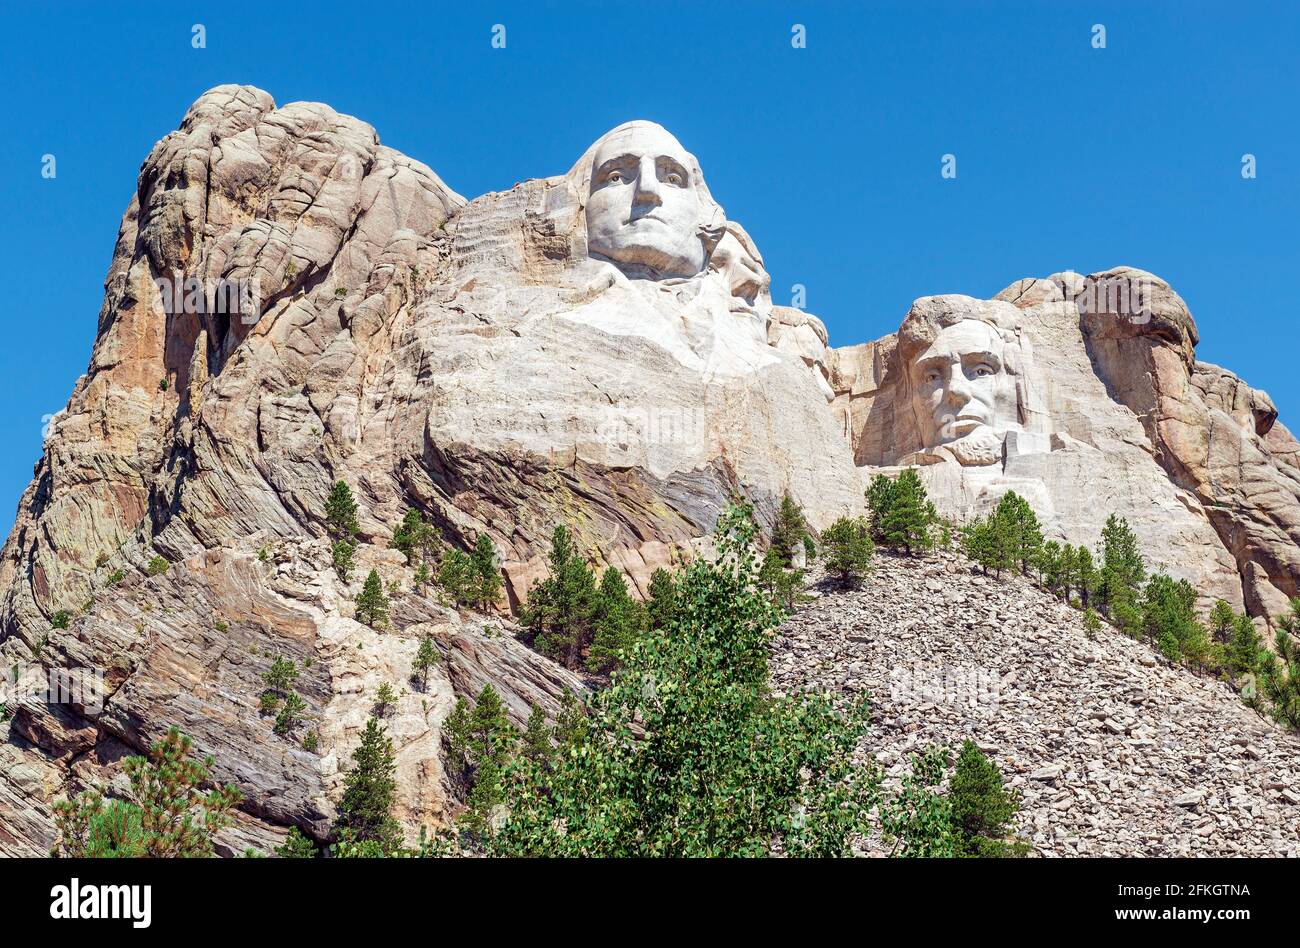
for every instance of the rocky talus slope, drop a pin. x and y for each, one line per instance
(1114, 751)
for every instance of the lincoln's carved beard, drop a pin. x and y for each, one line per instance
(644, 212)
(963, 395)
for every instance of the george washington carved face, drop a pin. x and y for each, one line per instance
(644, 210)
(963, 391)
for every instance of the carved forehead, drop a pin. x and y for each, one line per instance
(967, 335)
(639, 138)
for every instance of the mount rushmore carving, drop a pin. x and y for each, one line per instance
(598, 348)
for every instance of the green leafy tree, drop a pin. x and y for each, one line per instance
(341, 513)
(847, 549)
(157, 566)
(171, 816)
(661, 608)
(366, 809)
(372, 604)
(687, 752)
(385, 698)
(487, 573)
(982, 808)
(60, 619)
(425, 658)
(917, 821)
(619, 621)
(561, 610)
(789, 531)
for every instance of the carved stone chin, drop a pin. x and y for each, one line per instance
(979, 448)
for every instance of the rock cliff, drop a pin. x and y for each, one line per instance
(291, 303)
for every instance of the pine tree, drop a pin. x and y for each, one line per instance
(1067, 574)
(907, 521)
(290, 713)
(1050, 563)
(1169, 617)
(1018, 528)
(1122, 569)
(385, 698)
(536, 742)
(1244, 650)
(425, 658)
(296, 846)
(561, 609)
(482, 741)
(341, 513)
(847, 549)
(662, 605)
(880, 501)
(169, 818)
(619, 620)
(487, 574)
(372, 604)
(281, 676)
(369, 789)
(790, 531)
(992, 542)
(784, 585)
(1280, 673)
(1091, 622)
(1222, 621)
(982, 809)
(414, 537)
(344, 553)
(458, 577)
(1086, 577)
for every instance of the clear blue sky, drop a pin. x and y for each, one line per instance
(1068, 157)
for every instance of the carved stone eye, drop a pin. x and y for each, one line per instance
(614, 177)
(674, 178)
(983, 371)
(932, 376)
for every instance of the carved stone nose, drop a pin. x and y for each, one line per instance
(647, 184)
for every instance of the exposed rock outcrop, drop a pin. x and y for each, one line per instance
(1113, 750)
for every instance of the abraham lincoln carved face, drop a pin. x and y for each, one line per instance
(963, 388)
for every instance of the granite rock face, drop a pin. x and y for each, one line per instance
(1083, 394)
(291, 303)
